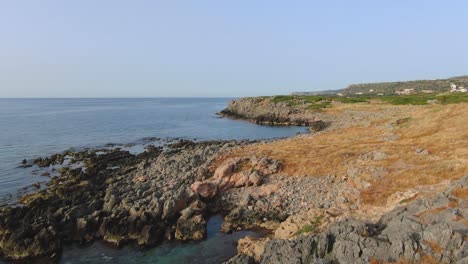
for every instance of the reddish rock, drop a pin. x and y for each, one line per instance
(205, 189)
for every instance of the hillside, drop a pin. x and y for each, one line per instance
(439, 85)
(390, 88)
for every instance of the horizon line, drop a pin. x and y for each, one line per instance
(149, 97)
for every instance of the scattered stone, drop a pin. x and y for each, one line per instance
(421, 151)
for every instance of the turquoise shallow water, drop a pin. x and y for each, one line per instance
(32, 128)
(216, 248)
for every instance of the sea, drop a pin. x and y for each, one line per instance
(32, 128)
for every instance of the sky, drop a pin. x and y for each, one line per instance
(212, 48)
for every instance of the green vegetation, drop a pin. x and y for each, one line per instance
(417, 99)
(320, 105)
(311, 98)
(438, 86)
(314, 102)
(452, 98)
(423, 99)
(282, 98)
(351, 100)
(312, 227)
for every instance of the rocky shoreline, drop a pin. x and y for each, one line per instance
(424, 231)
(313, 216)
(264, 112)
(116, 197)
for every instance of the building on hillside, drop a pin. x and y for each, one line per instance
(459, 89)
(405, 91)
(453, 87)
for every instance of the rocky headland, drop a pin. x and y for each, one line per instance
(381, 183)
(373, 183)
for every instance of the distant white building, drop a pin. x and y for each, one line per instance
(358, 93)
(371, 90)
(339, 94)
(453, 87)
(459, 89)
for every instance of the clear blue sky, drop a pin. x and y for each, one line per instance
(112, 48)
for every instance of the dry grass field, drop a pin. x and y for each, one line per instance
(418, 146)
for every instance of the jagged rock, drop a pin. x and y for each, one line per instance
(205, 189)
(424, 230)
(236, 173)
(105, 202)
(251, 246)
(191, 229)
(241, 259)
(255, 178)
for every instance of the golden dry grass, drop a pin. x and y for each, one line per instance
(442, 130)
(460, 192)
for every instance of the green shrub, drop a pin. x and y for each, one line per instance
(421, 99)
(350, 100)
(319, 105)
(312, 98)
(452, 98)
(282, 98)
(312, 227)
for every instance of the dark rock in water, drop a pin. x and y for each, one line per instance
(26, 164)
(55, 159)
(118, 198)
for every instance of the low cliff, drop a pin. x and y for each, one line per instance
(274, 111)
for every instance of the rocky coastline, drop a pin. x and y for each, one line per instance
(116, 197)
(316, 215)
(265, 112)
(424, 231)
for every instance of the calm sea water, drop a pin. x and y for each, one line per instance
(31, 128)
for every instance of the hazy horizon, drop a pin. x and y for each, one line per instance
(213, 49)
